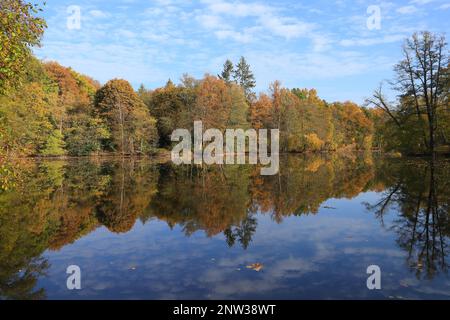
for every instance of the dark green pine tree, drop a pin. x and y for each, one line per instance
(228, 70)
(245, 78)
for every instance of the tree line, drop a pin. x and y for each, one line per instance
(56, 111)
(50, 110)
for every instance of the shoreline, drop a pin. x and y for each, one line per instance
(166, 155)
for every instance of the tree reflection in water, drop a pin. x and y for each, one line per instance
(54, 203)
(418, 193)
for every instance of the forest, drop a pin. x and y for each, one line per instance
(49, 110)
(98, 135)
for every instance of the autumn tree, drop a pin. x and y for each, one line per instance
(379, 120)
(172, 106)
(133, 130)
(443, 114)
(421, 83)
(26, 118)
(239, 108)
(277, 110)
(260, 112)
(20, 30)
(25, 113)
(308, 123)
(74, 113)
(315, 117)
(213, 103)
(67, 90)
(144, 94)
(299, 114)
(289, 120)
(352, 126)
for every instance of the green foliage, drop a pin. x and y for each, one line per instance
(67, 118)
(144, 94)
(227, 73)
(26, 117)
(51, 110)
(133, 130)
(352, 126)
(85, 135)
(418, 122)
(172, 106)
(308, 123)
(245, 78)
(54, 203)
(54, 146)
(20, 29)
(238, 117)
(50, 114)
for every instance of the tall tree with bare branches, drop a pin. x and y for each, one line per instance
(421, 83)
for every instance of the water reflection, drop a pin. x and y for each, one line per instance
(419, 194)
(55, 203)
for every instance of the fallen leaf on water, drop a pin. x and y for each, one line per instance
(255, 266)
(404, 283)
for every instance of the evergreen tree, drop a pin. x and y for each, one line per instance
(245, 78)
(228, 70)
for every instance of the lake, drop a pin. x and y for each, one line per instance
(138, 229)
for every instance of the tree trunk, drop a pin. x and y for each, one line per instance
(122, 132)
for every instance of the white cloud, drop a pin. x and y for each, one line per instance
(126, 33)
(286, 27)
(98, 14)
(234, 35)
(298, 68)
(280, 40)
(210, 21)
(421, 2)
(372, 41)
(321, 42)
(238, 9)
(407, 10)
(265, 16)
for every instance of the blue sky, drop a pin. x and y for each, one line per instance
(309, 44)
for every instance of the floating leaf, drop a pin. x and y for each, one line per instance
(255, 266)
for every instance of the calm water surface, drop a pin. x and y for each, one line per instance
(142, 230)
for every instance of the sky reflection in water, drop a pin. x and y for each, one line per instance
(140, 230)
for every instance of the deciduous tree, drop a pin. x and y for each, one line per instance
(126, 116)
(20, 29)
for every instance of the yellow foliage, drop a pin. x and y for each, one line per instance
(313, 142)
